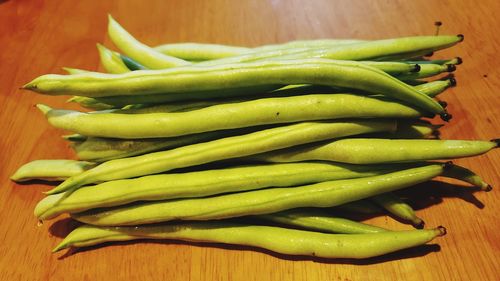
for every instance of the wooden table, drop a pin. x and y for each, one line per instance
(38, 37)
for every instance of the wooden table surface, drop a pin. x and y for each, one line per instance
(38, 37)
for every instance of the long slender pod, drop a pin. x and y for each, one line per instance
(235, 115)
(139, 51)
(317, 220)
(373, 151)
(193, 79)
(279, 240)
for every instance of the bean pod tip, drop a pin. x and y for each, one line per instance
(451, 67)
(488, 188)
(453, 81)
(459, 60)
(497, 141)
(416, 68)
(442, 230)
(443, 103)
(461, 37)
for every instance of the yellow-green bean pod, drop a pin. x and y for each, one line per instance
(276, 239)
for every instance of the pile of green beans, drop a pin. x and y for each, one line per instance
(269, 146)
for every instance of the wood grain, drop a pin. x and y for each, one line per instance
(38, 37)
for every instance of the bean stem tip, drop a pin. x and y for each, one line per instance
(416, 68)
(461, 37)
(451, 67)
(488, 188)
(442, 230)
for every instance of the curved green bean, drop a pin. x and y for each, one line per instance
(434, 88)
(276, 239)
(264, 201)
(50, 170)
(373, 151)
(139, 51)
(317, 220)
(111, 61)
(200, 184)
(220, 149)
(466, 175)
(398, 208)
(235, 115)
(192, 79)
(201, 51)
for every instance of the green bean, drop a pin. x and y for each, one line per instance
(264, 201)
(315, 71)
(220, 149)
(276, 239)
(50, 170)
(235, 115)
(200, 184)
(466, 175)
(313, 43)
(138, 51)
(104, 149)
(383, 49)
(434, 88)
(373, 151)
(201, 52)
(428, 70)
(111, 61)
(132, 64)
(398, 208)
(90, 103)
(316, 220)
(408, 130)
(121, 101)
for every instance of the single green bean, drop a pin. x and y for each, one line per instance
(455, 61)
(139, 51)
(427, 70)
(203, 51)
(317, 220)
(405, 47)
(200, 51)
(276, 239)
(235, 115)
(192, 79)
(373, 151)
(201, 184)
(466, 175)
(434, 88)
(221, 149)
(111, 61)
(394, 205)
(264, 201)
(50, 170)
